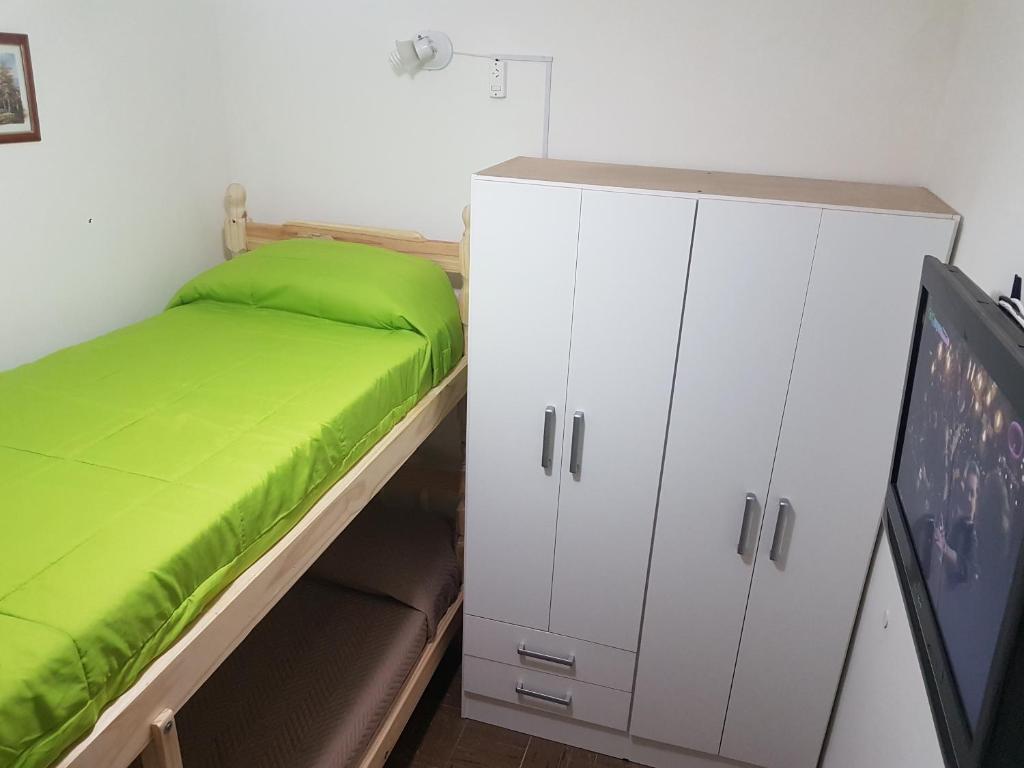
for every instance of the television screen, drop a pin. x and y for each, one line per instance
(960, 482)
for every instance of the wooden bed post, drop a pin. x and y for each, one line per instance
(234, 222)
(163, 750)
(464, 267)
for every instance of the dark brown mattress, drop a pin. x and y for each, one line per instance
(392, 551)
(312, 682)
(308, 687)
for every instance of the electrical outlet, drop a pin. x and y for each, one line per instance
(497, 79)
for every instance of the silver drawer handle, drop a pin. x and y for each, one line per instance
(547, 448)
(748, 516)
(524, 691)
(565, 661)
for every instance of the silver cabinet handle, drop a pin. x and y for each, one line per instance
(748, 516)
(780, 524)
(547, 448)
(565, 701)
(576, 449)
(565, 661)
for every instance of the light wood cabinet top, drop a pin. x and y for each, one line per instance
(714, 184)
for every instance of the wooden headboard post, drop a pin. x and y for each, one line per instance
(464, 267)
(234, 222)
(241, 234)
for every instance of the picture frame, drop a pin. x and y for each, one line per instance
(19, 116)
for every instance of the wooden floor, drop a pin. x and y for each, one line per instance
(438, 737)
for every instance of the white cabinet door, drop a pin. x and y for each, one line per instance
(524, 241)
(832, 466)
(745, 295)
(630, 280)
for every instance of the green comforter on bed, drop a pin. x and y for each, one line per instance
(141, 472)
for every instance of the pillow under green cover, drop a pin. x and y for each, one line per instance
(345, 282)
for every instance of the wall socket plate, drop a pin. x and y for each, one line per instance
(497, 79)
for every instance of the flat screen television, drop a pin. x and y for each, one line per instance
(955, 516)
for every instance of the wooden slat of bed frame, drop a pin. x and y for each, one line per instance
(123, 730)
(442, 252)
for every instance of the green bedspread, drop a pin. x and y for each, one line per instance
(141, 472)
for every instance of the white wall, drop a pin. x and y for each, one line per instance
(978, 166)
(319, 125)
(133, 143)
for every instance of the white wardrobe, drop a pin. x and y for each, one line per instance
(683, 397)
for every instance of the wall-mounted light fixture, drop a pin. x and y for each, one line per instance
(428, 50)
(434, 50)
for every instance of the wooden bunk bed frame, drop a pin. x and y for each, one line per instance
(142, 719)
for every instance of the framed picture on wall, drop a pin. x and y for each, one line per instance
(19, 119)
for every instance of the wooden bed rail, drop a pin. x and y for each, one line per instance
(241, 234)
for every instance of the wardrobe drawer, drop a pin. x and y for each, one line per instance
(566, 656)
(556, 695)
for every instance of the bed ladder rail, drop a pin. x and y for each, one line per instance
(163, 750)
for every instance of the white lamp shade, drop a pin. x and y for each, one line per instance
(429, 50)
(404, 58)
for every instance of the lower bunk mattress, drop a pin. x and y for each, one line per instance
(314, 680)
(309, 687)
